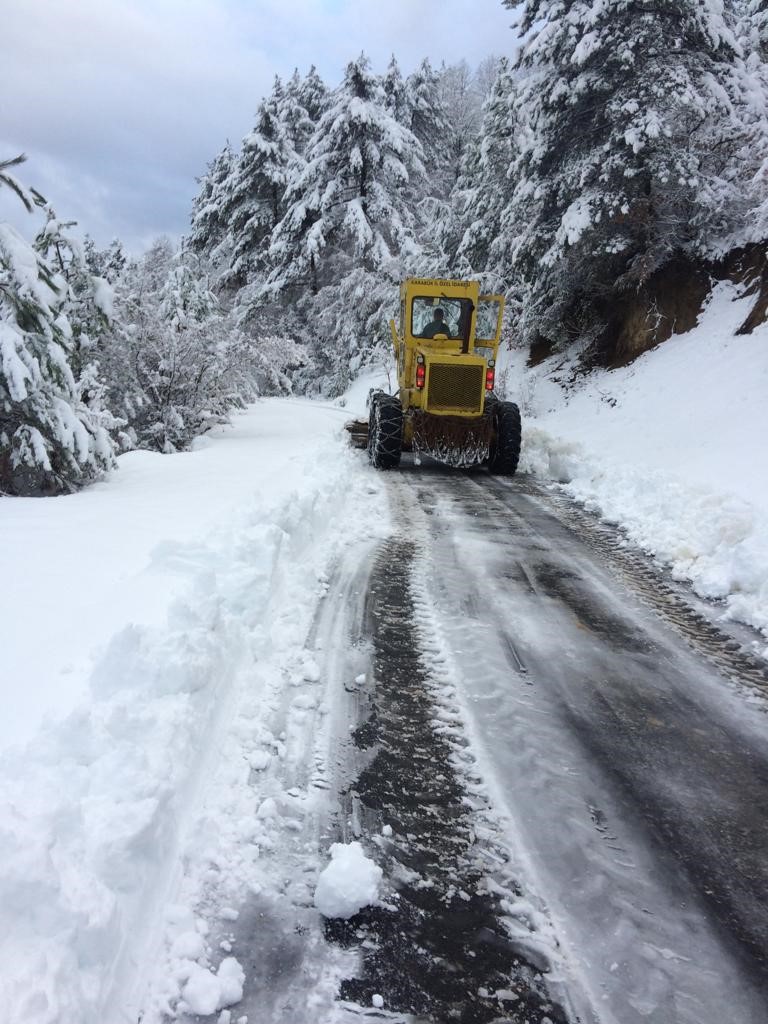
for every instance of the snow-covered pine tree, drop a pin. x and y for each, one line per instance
(313, 95)
(255, 201)
(107, 263)
(483, 189)
(347, 205)
(348, 214)
(208, 235)
(612, 182)
(51, 439)
(742, 217)
(430, 123)
(396, 93)
(294, 115)
(754, 24)
(86, 299)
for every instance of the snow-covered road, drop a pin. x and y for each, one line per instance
(165, 715)
(264, 647)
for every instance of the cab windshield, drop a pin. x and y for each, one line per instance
(433, 316)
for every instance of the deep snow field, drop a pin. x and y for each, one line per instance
(155, 628)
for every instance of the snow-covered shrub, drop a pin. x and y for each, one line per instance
(177, 361)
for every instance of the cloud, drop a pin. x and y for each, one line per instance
(121, 104)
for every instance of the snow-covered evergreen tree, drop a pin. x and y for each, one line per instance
(397, 99)
(255, 201)
(483, 189)
(429, 122)
(53, 430)
(296, 120)
(86, 299)
(313, 95)
(616, 176)
(755, 22)
(348, 212)
(209, 229)
(741, 203)
(347, 206)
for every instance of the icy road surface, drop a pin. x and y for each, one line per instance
(625, 769)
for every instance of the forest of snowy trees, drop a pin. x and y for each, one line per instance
(624, 148)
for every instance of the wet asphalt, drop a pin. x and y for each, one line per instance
(622, 737)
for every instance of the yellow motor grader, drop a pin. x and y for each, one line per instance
(446, 345)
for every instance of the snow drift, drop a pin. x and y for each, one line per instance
(94, 810)
(671, 448)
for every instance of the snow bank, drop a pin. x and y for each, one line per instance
(349, 883)
(209, 557)
(671, 448)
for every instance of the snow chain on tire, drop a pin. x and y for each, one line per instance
(385, 431)
(505, 448)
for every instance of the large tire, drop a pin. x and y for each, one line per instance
(385, 431)
(505, 447)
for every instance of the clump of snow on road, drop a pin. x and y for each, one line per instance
(671, 448)
(349, 883)
(206, 991)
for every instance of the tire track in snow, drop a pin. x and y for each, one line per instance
(729, 646)
(453, 939)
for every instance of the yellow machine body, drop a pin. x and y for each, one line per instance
(444, 374)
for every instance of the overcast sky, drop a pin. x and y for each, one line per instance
(120, 104)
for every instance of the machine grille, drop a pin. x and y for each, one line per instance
(455, 387)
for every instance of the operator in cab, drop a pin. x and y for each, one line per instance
(438, 325)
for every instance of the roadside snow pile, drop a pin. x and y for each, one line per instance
(672, 448)
(349, 883)
(95, 812)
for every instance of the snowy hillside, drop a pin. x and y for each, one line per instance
(671, 447)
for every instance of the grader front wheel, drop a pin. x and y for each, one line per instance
(385, 432)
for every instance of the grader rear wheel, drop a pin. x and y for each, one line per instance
(385, 432)
(505, 448)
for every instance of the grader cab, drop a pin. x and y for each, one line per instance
(446, 343)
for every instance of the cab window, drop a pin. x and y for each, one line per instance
(488, 316)
(432, 316)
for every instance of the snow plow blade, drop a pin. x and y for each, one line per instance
(358, 433)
